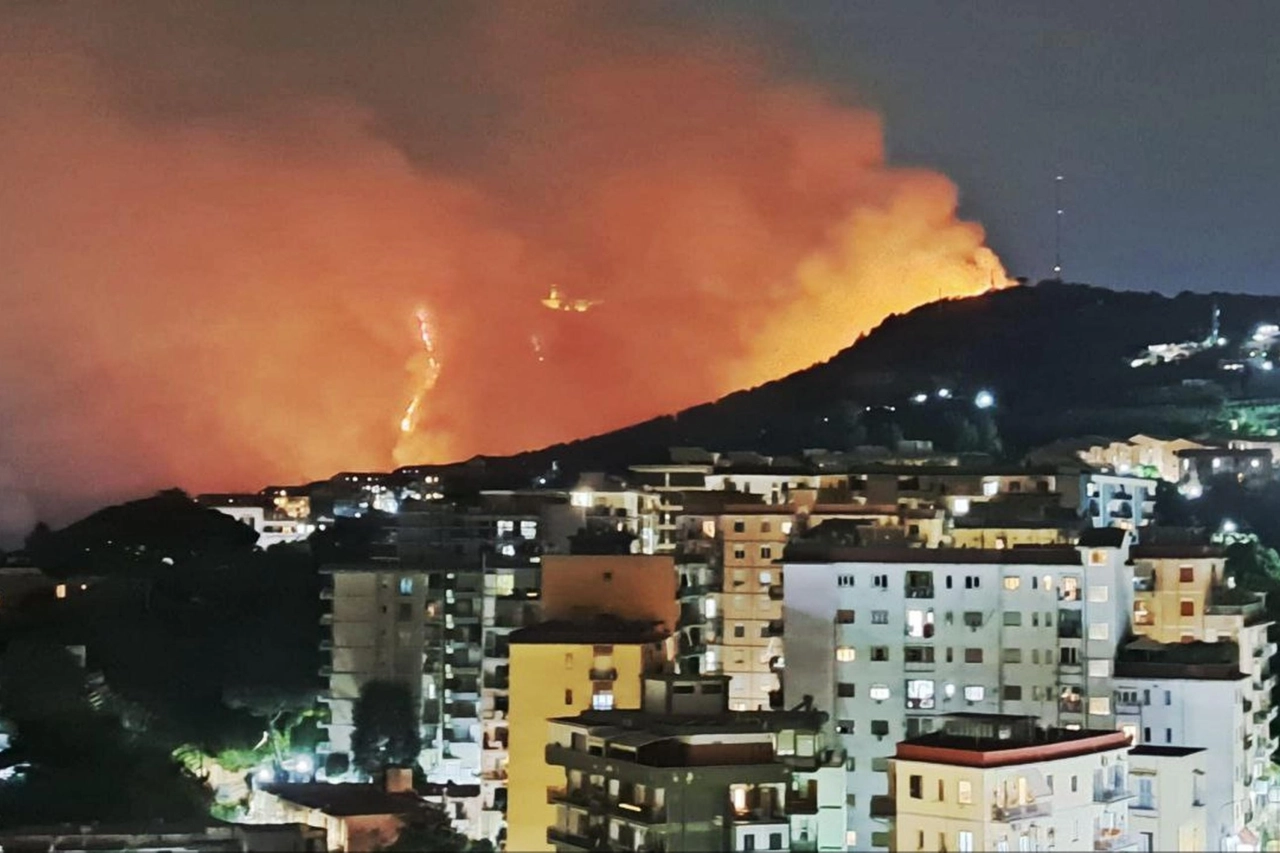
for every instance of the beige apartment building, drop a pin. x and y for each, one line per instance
(996, 782)
(753, 538)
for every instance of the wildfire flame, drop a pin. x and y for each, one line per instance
(429, 373)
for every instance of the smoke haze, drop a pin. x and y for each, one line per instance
(221, 222)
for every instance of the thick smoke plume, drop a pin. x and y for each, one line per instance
(221, 222)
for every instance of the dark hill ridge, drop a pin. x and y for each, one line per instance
(1055, 355)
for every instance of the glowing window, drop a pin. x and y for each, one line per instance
(846, 654)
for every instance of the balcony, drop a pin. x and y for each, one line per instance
(1021, 811)
(325, 671)
(920, 591)
(761, 815)
(496, 681)
(883, 807)
(604, 674)
(326, 594)
(639, 812)
(565, 838)
(773, 629)
(1114, 839)
(776, 592)
(1144, 583)
(326, 619)
(326, 645)
(1110, 794)
(802, 805)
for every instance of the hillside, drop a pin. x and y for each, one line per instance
(1056, 356)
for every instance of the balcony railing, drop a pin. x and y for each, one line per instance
(610, 674)
(1021, 811)
(920, 591)
(640, 812)
(776, 592)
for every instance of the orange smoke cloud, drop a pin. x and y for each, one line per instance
(219, 231)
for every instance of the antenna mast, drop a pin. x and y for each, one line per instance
(1057, 228)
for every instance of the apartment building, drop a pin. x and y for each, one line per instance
(1141, 454)
(1168, 809)
(408, 606)
(560, 668)
(999, 782)
(1194, 695)
(684, 773)
(1199, 467)
(750, 653)
(891, 638)
(629, 586)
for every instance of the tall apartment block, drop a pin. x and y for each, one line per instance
(684, 773)
(887, 639)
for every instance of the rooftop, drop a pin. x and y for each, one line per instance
(603, 629)
(805, 552)
(996, 740)
(347, 800)
(1170, 751)
(684, 725)
(1103, 537)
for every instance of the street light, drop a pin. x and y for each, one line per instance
(984, 400)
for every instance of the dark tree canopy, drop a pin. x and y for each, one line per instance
(386, 728)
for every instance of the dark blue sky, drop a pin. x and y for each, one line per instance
(1164, 118)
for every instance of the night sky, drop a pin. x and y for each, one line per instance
(1162, 116)
(248, 242)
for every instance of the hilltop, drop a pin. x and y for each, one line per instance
(1057, 358)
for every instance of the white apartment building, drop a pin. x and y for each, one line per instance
(984, 782)
(1166, 704)
(1168, 809)
(885, 640)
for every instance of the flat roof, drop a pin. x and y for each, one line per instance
(942, 747)
(604, 630)
(685, 725)
(347, 800)
(806, 552)
(1171, 751)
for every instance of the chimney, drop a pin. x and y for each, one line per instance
(399, 780)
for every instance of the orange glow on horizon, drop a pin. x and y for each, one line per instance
(232, 300)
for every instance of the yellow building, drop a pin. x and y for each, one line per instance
(1180, 595)
(1012, 535)
(559, 669)
(751, 603)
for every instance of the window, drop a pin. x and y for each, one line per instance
(880, 654)
(506, 527)
(406, 586)
(920, 694)
(1187, 607)
(1099, 594)
(973, 655)
(1168, 697)
(786, 528)
(602, 701)
(973, 618)
(974, 692)
(529, 529)
(748, 843)
(1011, 655)
(964, 838)
(568, 697)
(766, 552)
(739, 526)
(1047, 582)
(568, 661)
(1035, 656)
(766, 526)
(845, 690)
(1100, 705)
(879, 692)
(1099, 631)
(1070, 590)
(739, 552)
(880, 728)
(915, 786)
(844, 580)
(1100, 668)
(879, 617)
(846, 727)
(1187, 574)
(917, 654)
(1012, 693)
(919, 623)
(766, 578)
(404, 612)
(846, 654)
(775, 841)
(964, 792)
(844, 617)
(851, 838)
(1012, 582)
(880, 581)
(739, 631)
(1097, 558)
(1012, 618)
(1146, 793)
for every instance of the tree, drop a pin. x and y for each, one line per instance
(386, 727)
(282, 710)
(41, 682)
(431, 830)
